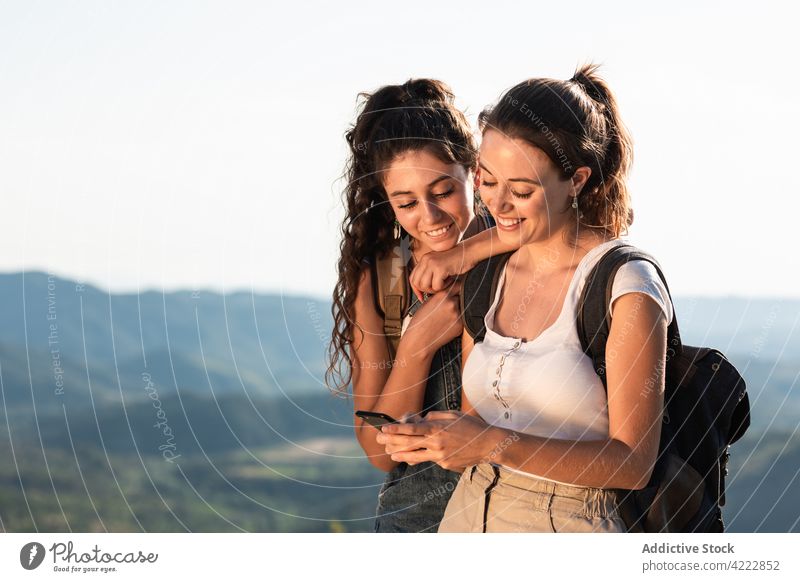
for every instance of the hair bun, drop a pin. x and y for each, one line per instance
(427, 91)
(414, 92)
(587, 78)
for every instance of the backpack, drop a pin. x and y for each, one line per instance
(392, 291)
(706, 407)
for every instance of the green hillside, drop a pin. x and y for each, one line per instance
(206, 412)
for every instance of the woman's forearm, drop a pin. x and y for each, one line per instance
(609, 464)
(405, 389)
(403, 392)
(454, 439)
(483, 245)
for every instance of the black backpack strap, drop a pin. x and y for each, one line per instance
(594, 321)
(477, 293)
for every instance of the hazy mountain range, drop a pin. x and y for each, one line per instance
(91, 382)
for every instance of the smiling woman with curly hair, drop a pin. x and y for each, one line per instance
(410, 176)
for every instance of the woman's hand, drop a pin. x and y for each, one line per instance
(438, 320)
(451, 439)
(436, 270)
(411, 417)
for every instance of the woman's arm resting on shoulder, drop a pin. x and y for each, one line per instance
(636, 351)
(485, 244)
(436, 269)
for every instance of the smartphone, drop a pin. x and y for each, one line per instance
(376, 419)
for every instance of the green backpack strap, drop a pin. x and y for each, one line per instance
(392, 290)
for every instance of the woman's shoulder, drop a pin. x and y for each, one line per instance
(642, 267)
(593, 252)
(634, 276)
(641, 276)
(365, 290)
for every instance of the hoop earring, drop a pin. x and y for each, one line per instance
(396, 228)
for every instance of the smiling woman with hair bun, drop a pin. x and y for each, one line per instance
(546, 449)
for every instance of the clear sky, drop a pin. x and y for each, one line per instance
(200, 144)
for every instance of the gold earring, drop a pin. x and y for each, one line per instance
(396, 228)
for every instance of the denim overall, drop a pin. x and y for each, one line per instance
(413, 497)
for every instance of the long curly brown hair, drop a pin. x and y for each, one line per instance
(395, 119)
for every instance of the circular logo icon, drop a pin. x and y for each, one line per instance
(31, 555)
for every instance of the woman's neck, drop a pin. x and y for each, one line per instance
(556, 253)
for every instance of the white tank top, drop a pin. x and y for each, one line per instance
(548, 386)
